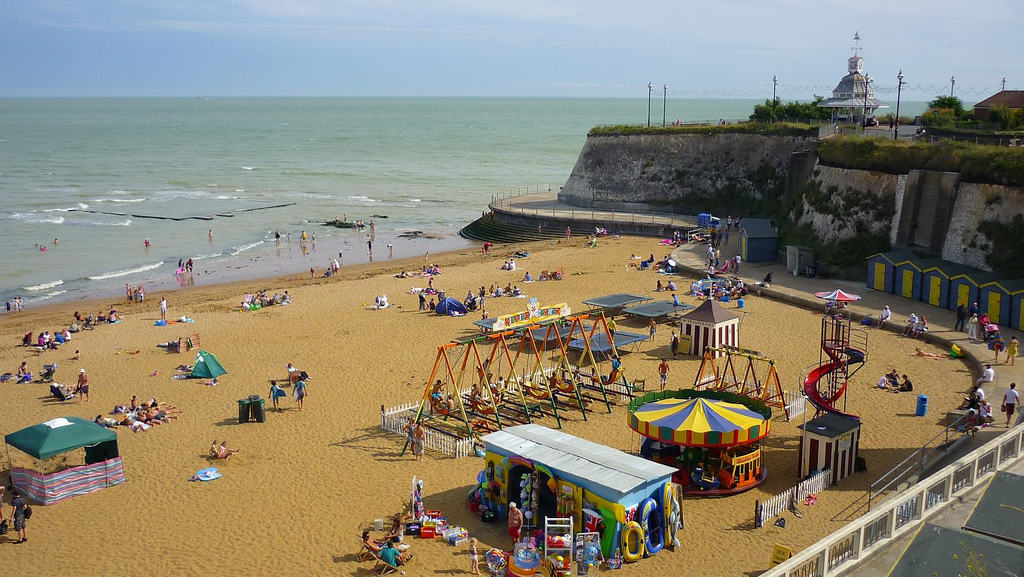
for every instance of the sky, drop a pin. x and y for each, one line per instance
(544, 48)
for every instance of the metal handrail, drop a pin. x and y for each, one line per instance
(913, 456)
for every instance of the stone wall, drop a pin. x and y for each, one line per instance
(690, 173)
(976, 203)
(781, 177)
(840, 203)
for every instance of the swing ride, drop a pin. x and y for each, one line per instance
(489, 382)
(711, 376)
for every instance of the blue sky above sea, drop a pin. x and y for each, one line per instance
(723, 49)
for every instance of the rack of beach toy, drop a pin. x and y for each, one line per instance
(584, 506)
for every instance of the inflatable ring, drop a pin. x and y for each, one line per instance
(536, 391)
(667, 503)
(632, 542)
(654, 537)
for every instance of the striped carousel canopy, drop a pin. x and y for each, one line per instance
(699, 422)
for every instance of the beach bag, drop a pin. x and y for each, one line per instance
(1002, 408)
(28, 512)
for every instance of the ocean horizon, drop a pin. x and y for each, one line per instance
(103, 175)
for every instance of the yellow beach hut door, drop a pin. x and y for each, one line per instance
(935, 285)
(994, 300)
(908, 284)
(963, 294)
(879, 276)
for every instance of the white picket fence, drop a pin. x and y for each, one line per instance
(395, 419)
(775, 506)
(796, 404)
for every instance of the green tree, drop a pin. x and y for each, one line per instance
(948, 103)
(794, 111)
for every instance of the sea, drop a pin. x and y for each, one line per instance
(99, 193)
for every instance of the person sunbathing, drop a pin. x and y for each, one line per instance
(919, 353)
(222, 451)
(106, 422)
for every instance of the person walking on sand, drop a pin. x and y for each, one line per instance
(675, 345)
(299, 392)
(83, 386)
(19, 514)
(163, 308)
(1012, 349)
(515, 522)
(653, 327)
(568, 232)
(1011, 399)
(663, 373)
(972, 327)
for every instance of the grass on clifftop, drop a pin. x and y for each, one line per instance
(762, 128)
(978, 163)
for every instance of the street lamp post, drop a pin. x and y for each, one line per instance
(1004, 83)
(664, 103)
(650, 86)
(899, 89)
(775, 105)
(952, 83)
(867, 89)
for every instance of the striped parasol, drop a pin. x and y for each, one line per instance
(699, 422)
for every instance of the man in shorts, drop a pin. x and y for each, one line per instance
(1011, 398)
(515, 522)
(19, 516)
(663, 373)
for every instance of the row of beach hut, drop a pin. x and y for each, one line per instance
(944, 284)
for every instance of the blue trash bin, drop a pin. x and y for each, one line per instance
(922, 405)
(740, 303)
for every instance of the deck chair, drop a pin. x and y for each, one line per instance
(192, 342)
(382, 567)
(544, 275)
(365, 553)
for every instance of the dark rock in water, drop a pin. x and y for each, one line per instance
(378, 216)
(412, 234)
(340, 224)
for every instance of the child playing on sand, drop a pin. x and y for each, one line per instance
(474, 557)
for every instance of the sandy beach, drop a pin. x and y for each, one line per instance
(305, 483)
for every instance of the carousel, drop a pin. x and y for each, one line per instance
(713, 439)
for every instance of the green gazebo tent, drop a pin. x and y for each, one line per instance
(207, 366)
(103, 467)
(61, 435)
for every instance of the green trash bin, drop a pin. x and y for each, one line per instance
(243, 410)
(257, 408)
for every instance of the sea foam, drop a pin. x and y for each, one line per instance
(127, 271)
(44, 286)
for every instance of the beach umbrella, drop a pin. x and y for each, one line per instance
(838, 295)
(699, 422)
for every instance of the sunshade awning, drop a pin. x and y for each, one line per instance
(57, 436)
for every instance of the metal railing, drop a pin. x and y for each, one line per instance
(903, 512)
(914, 464)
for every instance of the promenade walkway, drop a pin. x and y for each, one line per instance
(547, 205)
(800, 291)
